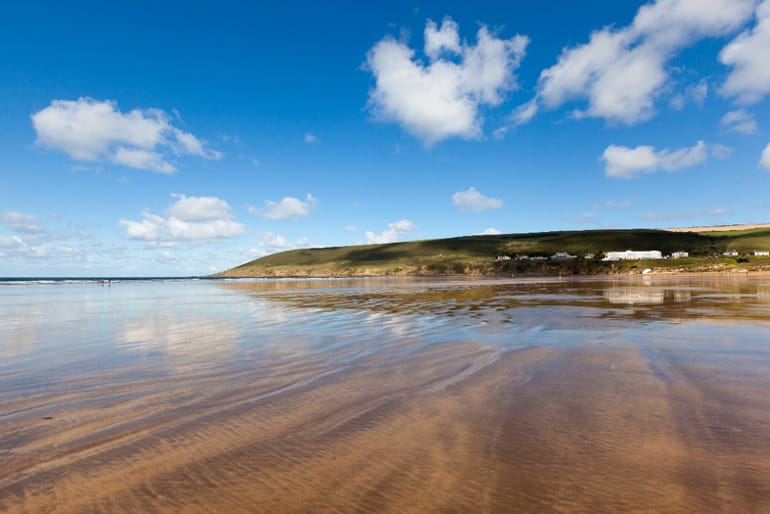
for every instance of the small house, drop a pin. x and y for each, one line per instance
(633, 255)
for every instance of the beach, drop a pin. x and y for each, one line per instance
(401, 395)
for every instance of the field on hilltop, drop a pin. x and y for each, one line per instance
(477, 255)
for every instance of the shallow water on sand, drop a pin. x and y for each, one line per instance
(386, 395)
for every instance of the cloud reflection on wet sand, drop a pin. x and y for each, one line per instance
(410, 397)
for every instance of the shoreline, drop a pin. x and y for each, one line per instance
(653, 272)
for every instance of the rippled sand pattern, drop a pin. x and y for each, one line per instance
(668, 416)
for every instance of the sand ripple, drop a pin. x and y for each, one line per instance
(452, 428)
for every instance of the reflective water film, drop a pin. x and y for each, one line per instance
(386, 395)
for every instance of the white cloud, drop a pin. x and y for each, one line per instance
(500, 132)
(441, 99)
(491, 231)
(351, 228)
(45, 251)
(525, 112)
(199, 208)
(393, 233)
(9, 243)
(286, 208)
(190, 218)
(698, 92)
(748, 54)
(21, 223)
(31, 240)
(167, 256)
(445, 39)
(472, 200)
(142, 159)
(95, 131)
(19, 247)
(625, 162)
(739, 121)
(720, 151)
(186, 143)
(695, 93)
(271, 242)
(764, 159)
(311, 138)
(621, 72)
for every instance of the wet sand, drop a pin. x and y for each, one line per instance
(611, 424)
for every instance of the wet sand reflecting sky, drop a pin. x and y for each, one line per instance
(402, 395)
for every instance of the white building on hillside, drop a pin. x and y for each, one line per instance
(679, 255)
(633, 255)
(761, 253)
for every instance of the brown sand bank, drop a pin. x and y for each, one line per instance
(447, 428)
(720, 228)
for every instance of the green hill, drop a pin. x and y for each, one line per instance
(477, 255)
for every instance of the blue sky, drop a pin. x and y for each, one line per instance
(166, 138)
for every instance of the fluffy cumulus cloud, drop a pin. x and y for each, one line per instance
(286, 208)
(473, 201)
(620, 72)
(394, 232)
(491, 231)
(626, 162)
(441, 98)
(739, 121)
(748, 55)
(199, 208)
(96, 131)
(190, 218)
(20, 222)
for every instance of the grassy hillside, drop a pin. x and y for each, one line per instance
(743, 241)
(477, 254)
